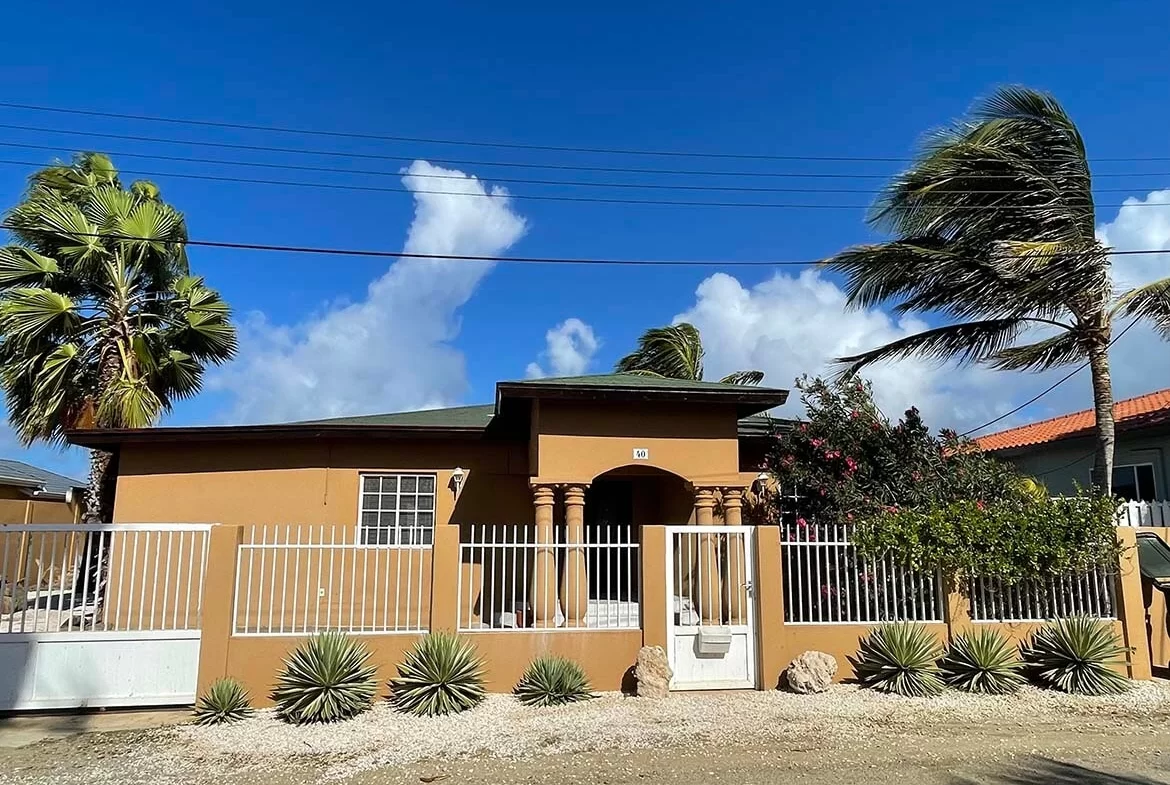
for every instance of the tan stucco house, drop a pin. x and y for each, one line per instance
(587, 516)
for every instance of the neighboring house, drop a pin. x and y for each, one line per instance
(32, 495)
(1059, 451)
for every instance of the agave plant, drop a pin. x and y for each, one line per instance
(900, 658)
(982, 662)
(1077, 655)
(441, 674)
(225, 700)
(551, 681)
(327, 678)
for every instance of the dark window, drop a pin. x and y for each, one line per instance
(1135, 483)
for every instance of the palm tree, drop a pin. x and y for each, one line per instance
(101, 324)
(676, 352)
(993, 229)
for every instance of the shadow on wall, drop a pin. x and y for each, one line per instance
(1045, 771)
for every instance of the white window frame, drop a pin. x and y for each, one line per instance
(1134, 467)
(419, 535)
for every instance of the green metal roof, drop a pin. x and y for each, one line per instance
(454, 417)
(633, 381)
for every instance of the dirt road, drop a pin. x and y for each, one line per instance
(842, 738)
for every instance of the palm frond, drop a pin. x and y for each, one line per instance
(966, 342)
(1061, 349)
(674, 352)
(25, 267)
(28, 314)
(1150, 302)
(743, 377)
(128, 403)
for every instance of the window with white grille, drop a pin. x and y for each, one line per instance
(397, 509)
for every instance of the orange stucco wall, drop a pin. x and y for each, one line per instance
(307, 482)
(577, 441)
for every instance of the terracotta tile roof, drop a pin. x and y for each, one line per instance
(1143, 410)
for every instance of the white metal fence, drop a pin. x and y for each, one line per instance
(1091, 593)
(826, 581)
(510, 580)
(296, 580)
(68, 578)
(709, 582)
(1144, 514)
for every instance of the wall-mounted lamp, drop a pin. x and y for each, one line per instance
(457, 477)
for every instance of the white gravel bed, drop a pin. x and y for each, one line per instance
(501, 727)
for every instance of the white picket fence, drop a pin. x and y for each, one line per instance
(826, 581)
(1144, 514)
(1091, 593)
(507, 577)
(297, 580)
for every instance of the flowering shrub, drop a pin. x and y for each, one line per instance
(847, 462)
(936, 502)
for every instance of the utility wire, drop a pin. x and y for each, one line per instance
(562, 198)
(245, 246)
(1048, 389)
(507, 164)
(513, 180)
(473, 143)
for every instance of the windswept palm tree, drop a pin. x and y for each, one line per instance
(993, 229)
(676, 352)
(101, 323)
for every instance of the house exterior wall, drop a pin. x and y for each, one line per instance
(1062, 465)
(577, 441)
(313, 482)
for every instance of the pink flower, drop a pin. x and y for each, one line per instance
(852, 464)
(853, 415)
(831, 454)
(801, 522)
(981, 505)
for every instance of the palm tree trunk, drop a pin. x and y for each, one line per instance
(1103, 403)
(90, 580)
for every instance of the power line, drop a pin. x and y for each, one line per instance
(562, 198)
(1047, 390)
(505, 164)
(513, 180)
(378, 254)
(476, 143)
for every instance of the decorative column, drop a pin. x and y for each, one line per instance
(735, 592)
(544, 570)
(574, 580)
(708, 588)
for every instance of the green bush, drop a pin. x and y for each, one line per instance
(327, 678)
(441, 674)
(551, 681)
(225, 700)
(982, 662)
(900, 658)
(1075, 655)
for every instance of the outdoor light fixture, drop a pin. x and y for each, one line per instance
(457, 478)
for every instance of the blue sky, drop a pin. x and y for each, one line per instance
(850, 79)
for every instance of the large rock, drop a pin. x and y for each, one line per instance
(812, 671)
(652, 672)
(13, 597)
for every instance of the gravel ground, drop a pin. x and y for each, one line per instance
(263, 749)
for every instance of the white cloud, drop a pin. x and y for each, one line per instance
(789, 325)
(570, 347)
(390, 351)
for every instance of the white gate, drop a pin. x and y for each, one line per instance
(100, 615)
(711, 614)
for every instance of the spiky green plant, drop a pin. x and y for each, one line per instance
(327, 678)
(441, 674)
(225, 700)
(1077, 655)
(983, 662)
(551, 681)
(900, 658)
